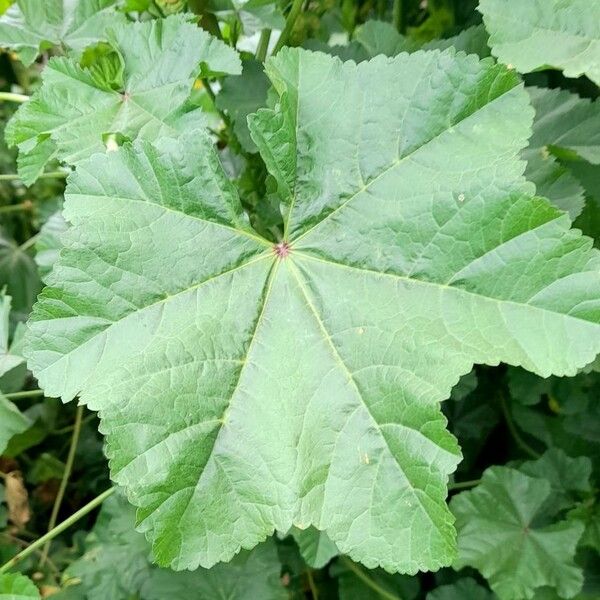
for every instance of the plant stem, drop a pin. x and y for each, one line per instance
(461, 485)
(514, 431)
(11, 97)
(397, 15)
(25, 394)
(311, 584)
(22, 207)
(82, 512)
(263, 45)
(289, 25)
(64, 481)
(49, 175)
(367, 580)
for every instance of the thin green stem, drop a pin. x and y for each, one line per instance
(22, 207)
(367, 580)
(82, 512)
(397, 15)
(289, 25)
(209, 90)
(25, 394)
(64, 481)
(263, 45)
(311, 584)
(11, 97)
(462, 485)
(49, 175)
(514, 431)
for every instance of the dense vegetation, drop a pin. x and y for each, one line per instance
(300, 299)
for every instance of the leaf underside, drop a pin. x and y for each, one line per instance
(245, 388)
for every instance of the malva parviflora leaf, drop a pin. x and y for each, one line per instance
(499, 536)
(245, 386)
(29, 27)
(74, 112)
(532, 35)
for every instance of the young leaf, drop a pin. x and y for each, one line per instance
(49, 243)
(498, 535)
(12, 421)
(72, 114)
(538, 34)
(9, 359)
(29, 26)
(463, 589)
(242, 95)
(14, 586)
(315, 547)
(246, 387)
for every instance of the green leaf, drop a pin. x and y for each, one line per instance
(48, 244)
(498, 534)
(245, 387)
(241, 95)
(18, 274)
(14, 586)
(565, 125)
(540, 34)
(114, 543)
(569, 478)
(473, 40)
(589, 220)
(75, 110)
(30, 27)
(463, 589)
(12, 421)
(9, 357)
(316, 548)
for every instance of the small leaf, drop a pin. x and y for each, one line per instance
(14, 586)
(241, 95)
(316, 548)
(29, 27)
(48, 244)
(538, 34)
(498, 534)
(463, 589)
(12, 421)
(75, 109)
(17, 499)
(10, 357)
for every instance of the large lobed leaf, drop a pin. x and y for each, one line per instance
(75, 110)
(503, 534)
(244, 387)
(29, 26)
(537, 34)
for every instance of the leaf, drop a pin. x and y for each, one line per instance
(378, 37)
(9, 359)
(473, 40)
(17, 499)
(30, 27)
(14, 586)
(12, 421)
(48, 244)
(241, 95)
(463, 589)
(245, 387)
(73, 112)
(589, 220)
(569, 478)
(249, 576)
(565, 125)
(114, 543)
(316, 548)
(18, 274)
(499, 536)
(540, 34)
